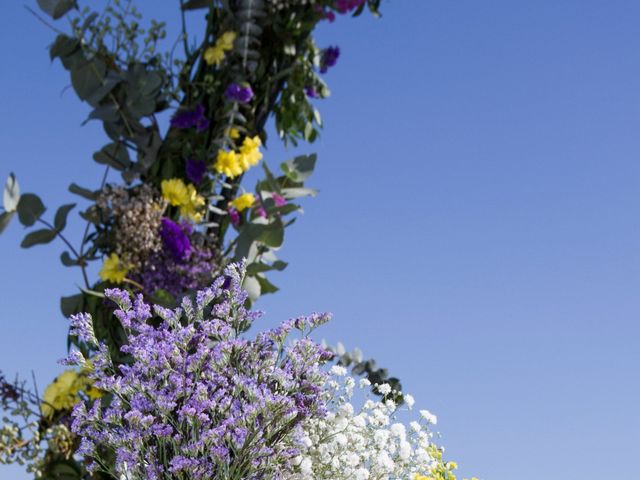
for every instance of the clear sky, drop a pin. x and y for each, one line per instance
(477, 230)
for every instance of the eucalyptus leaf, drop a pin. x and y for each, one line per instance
(11, 193)
(56, 8)
(5, 219)
(30, 209)
(300, 168)
(63, 46)
(60, 220)
(67, 260)
(88, 77)
(290, 193)
(266, 286)
(113, 154)
(38, 237)
(83, 192)
(196, 4)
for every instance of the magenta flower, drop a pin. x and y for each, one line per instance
(346, 6)
(234, 217)
(279, 200)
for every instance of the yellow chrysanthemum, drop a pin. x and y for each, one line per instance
(226, 40)
(244, 201)
(228, 163)
(175, 192)
(215, 55)
(233, 133)
(113, 269)
(61, 394)
(191, 209)
(250, 153)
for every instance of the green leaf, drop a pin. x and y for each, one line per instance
(30, 208)
(164, 298)
(290, 193)
(83, 192)
(88, 77)
(266, 286)
(63, 46)
(11, 194)
(5, 219)
(38, 237)
(56, 8)
(300, 168)
(115, 155)
(60, 220)
(195, 4)
(64, 471)
(67, 260)
(259, 267)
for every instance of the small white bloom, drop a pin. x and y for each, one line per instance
(398, 430)
(338, 370)
(384, 389)
(409, 400)
(429, 417)
(364, 383)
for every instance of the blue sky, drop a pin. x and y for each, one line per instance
(477, 227)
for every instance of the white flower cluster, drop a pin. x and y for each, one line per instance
(369, 444)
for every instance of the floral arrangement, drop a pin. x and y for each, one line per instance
(166, 383)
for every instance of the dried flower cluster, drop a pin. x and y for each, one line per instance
(198, 401)
(137, 215)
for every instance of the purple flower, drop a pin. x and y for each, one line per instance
(175, 239)
(311, 92)
(191, 118)
(329, 58)
(163, 272)
(238, 93)
(199, 391)
(195, 170)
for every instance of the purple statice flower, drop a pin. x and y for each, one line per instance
(198, 391)
(195, 170)
(279, 200)
(175, 239)
(311, 92)
(238, 93)
(191, 118)
(163, 272)
(329, 58)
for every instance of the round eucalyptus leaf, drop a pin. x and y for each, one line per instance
(56, 8)
(30, 208)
